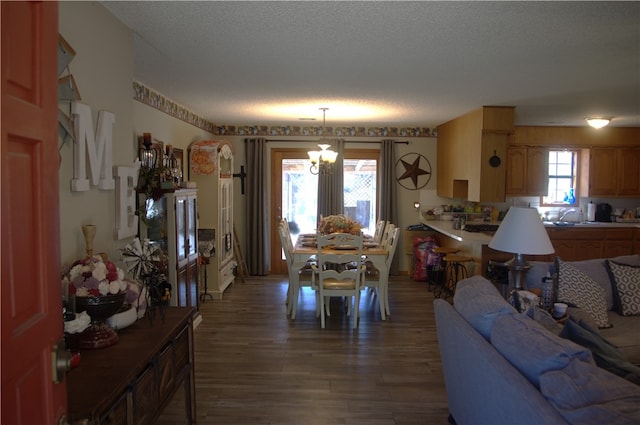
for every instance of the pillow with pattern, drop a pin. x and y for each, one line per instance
(579, 290)
(626, 286)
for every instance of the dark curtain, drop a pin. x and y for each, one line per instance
(255, 204)
(331, 185)
(388, 205)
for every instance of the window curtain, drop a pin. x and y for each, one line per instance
(331, 185)
(388, 202)
(255, 204)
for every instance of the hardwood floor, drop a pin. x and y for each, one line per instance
(256, 366)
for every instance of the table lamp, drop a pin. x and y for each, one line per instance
(521, 233)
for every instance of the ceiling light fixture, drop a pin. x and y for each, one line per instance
(322, 161)
(598, 122)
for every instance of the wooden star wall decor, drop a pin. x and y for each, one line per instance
(413, 171)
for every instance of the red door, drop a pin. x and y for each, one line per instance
(30, 261)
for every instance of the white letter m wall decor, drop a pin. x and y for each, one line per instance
(97, 148)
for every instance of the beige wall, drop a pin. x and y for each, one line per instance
(407, 214)
(103, 70)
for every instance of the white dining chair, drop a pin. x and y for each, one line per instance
(380, 226)
(384, 241)
(303, 275)
(340, 281)
(372, 274)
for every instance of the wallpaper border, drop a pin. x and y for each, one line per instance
(157, 101)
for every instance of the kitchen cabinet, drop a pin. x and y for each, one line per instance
(613, 172)
(629, 171)
(215, 183)
(171, 223)
(575, 244)
(466, 146)
(527, 171)
(132, 381)
(636, 241)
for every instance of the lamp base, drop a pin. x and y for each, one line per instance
(518, 267)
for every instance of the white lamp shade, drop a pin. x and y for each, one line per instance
(522, 232)
(314, 156)
(329, 156)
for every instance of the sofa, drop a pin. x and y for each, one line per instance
(501, 366)
(621, 330)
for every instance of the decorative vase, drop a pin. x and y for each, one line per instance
(99, 334)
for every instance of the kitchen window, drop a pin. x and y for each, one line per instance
(563, 178)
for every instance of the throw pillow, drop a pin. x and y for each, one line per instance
(577, 289)
(532, 349)
(586, 394)
(605, 354)
(626, 280)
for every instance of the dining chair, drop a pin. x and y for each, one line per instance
(330, 281)
(384, 241)
(380, 226)
(303, 275)
(372, 274)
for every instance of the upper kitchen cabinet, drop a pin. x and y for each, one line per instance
(527, 171)
(612, 172)
(471, 154)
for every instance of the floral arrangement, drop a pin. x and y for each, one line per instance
(339, 224)
(93, 277)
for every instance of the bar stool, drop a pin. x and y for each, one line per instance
(440, 273)
(456, 271)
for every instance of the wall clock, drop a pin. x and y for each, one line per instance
(413, 171)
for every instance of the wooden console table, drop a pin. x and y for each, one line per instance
(131, 381)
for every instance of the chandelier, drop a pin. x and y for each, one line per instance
(322, 161)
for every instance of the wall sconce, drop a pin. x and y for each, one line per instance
(416, 205)
(598, 122)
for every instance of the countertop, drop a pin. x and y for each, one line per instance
(483, 238)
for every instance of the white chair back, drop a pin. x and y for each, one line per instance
(384, 243)
(334, 279)
(380, 226)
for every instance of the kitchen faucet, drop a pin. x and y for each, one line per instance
(566, 213)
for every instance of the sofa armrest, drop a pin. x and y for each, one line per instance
(482, 386)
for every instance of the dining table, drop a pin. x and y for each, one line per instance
(305, 248)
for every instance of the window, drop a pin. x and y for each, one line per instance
(360, 191)
(300, 190)
(563, 166)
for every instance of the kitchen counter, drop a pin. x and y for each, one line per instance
(446, 228)
(475, 244)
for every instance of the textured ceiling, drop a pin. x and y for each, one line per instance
(389, 63)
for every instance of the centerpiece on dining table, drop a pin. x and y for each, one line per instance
(338, 224)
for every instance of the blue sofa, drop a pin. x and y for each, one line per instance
(503, 367)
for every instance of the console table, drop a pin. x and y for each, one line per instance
(131, 381)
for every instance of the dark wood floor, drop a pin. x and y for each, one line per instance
(256, 366)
